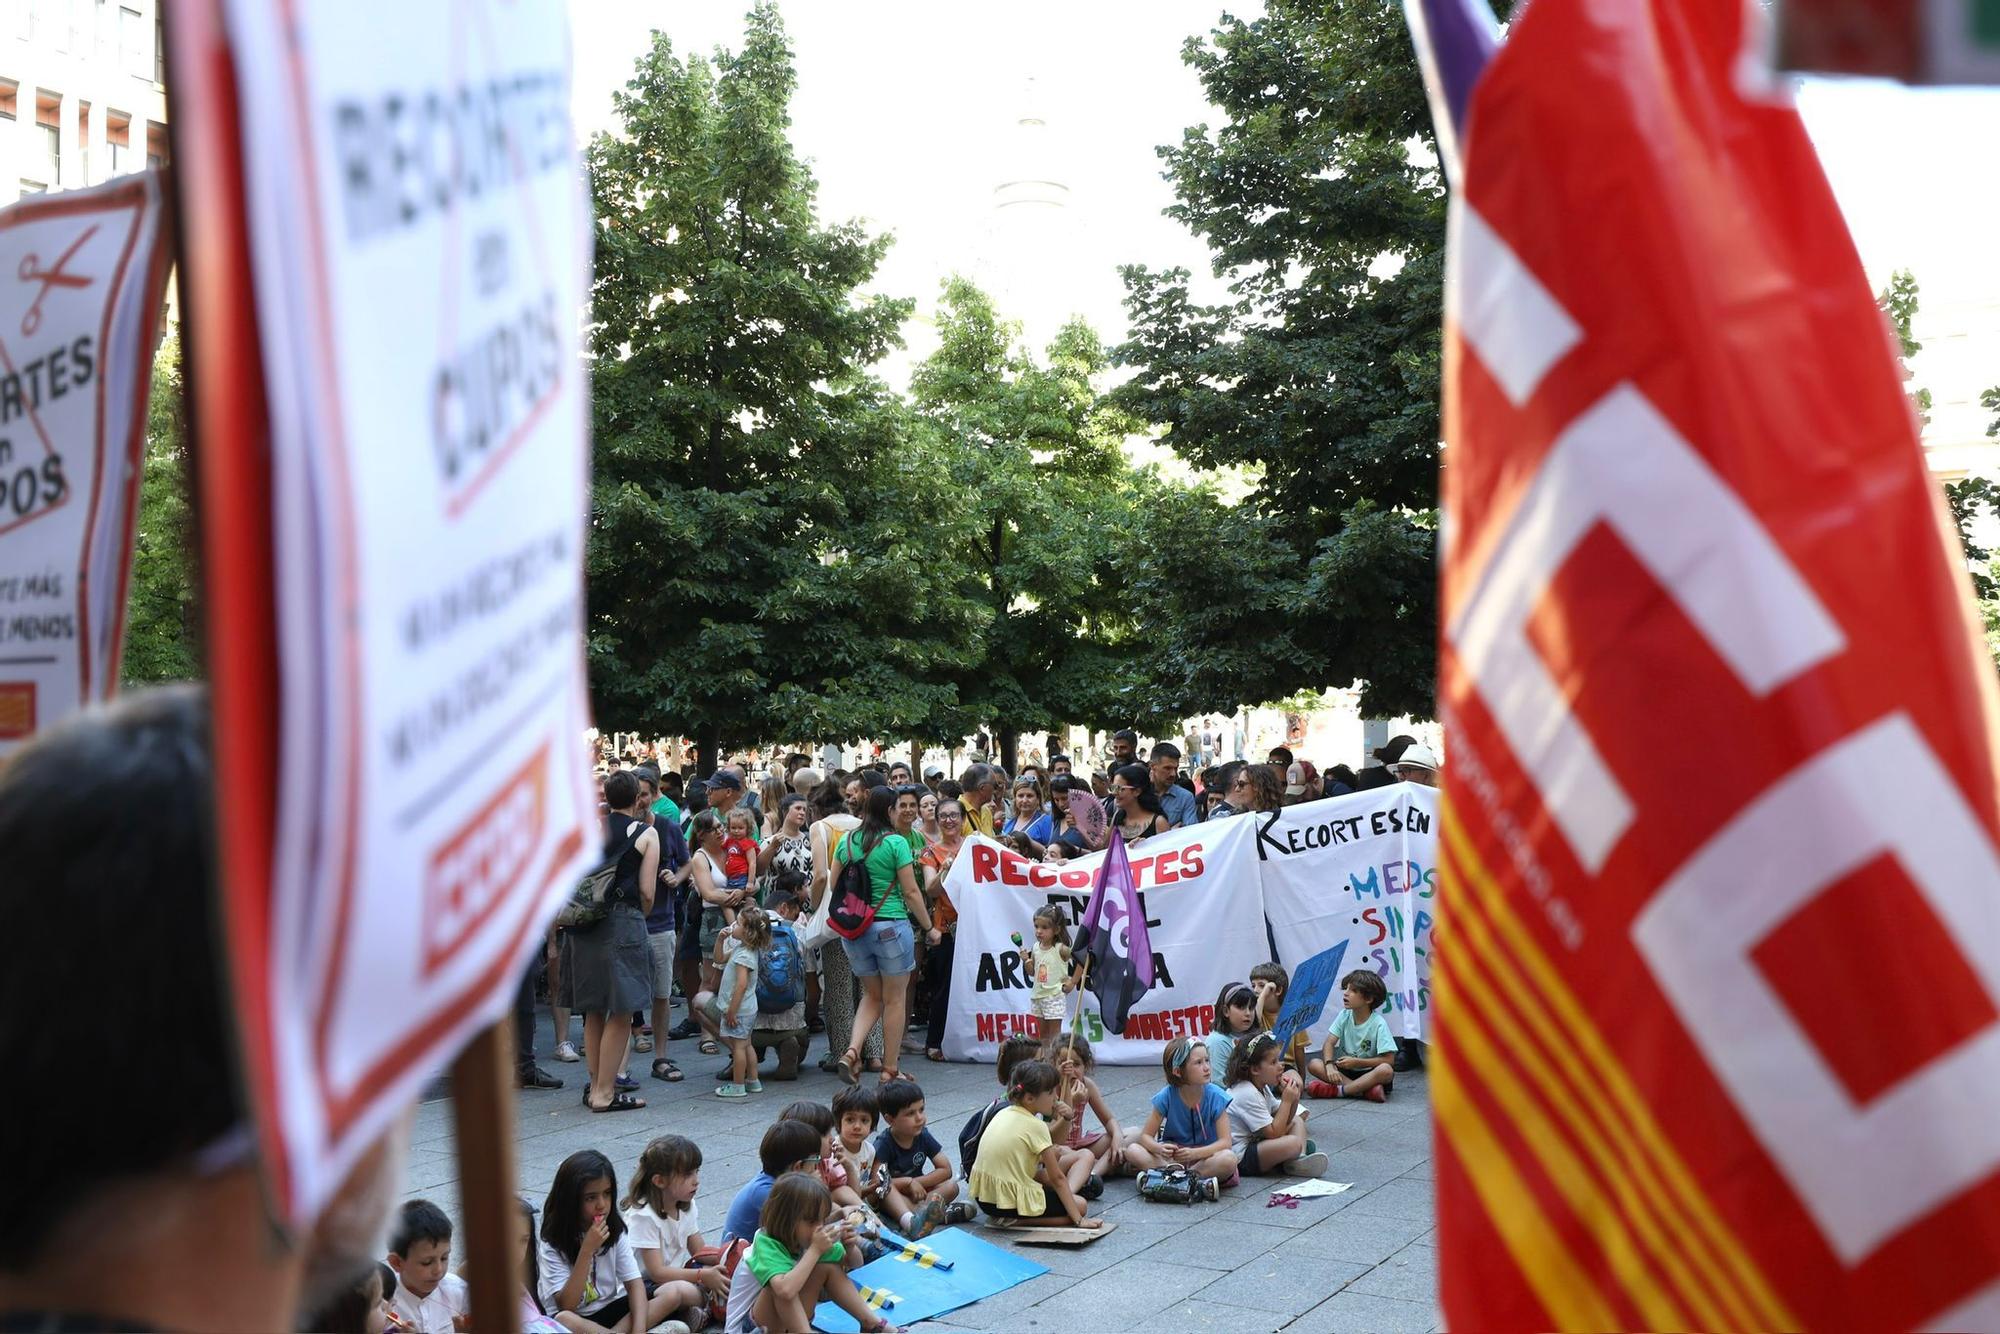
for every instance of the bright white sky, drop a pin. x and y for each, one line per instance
(905, 110)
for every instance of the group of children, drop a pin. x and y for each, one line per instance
(835, 1179)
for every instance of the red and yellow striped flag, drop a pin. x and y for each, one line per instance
(1716, 1028)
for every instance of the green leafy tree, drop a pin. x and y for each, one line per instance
(754, 565)
(1323, 208)
(1899, 302)
(162, 632)
(1045, 500)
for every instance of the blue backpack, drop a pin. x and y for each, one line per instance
(781, 969)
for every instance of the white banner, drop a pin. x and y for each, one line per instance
(421, 247)
(1351, 882)
(1199, 889)
(1339, 884)
(82, 278)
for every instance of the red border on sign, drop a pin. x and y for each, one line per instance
(344, 1106)
(127, 196)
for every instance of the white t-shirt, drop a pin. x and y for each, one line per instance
(1250, 1110)
(432, 1314)
(743, 1290)
(647, 1231)
(610, 1270)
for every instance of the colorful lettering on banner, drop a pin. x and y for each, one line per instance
(419, 315)
(1721, 826)
(82, 279)
(1353, 875)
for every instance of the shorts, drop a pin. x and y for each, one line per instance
(1051, 1007)
(746, 1014)
(711, 927)
(888, 948)
(662, 944)
(1249, 1159)
(1051, 1204)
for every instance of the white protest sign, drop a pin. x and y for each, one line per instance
(1339, 884)
(82, 277)
(1203, 913)
(1352, 881)
(421, 248)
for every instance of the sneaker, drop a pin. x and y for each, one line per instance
(1378, 1094)
(674, 1327)
(686, 1028)
(731, 1091)
(625, 1084)
(1093, 1189)
(1209, 1189)
(924, 1219)
(1306, 1165)
(566, 1051)
(1312, 1147)
(960, 1211)
(534, 1077)
(755, 1086)
(1319, 1088)
(644, 1042)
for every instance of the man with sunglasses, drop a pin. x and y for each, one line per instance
(1232, 781)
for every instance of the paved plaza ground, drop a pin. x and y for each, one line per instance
(1365, 1260)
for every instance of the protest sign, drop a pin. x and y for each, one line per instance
(420, 246)
(82, 278)
(1342, 883)
(1355, 878)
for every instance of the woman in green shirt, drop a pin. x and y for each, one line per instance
(884, 955)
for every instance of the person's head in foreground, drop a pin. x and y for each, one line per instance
(120, 1214)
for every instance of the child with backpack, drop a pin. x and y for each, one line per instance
(1019, 1176)
(1016, 1049)
(781, 983)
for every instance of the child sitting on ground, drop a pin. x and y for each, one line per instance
(429, 1299)
(795, 1261)
(854, 1119)
(1016, 1049)
(665, 1227)
(1189, 1123)
(589, 1277)
(787, 1146)
(1267, 1129)
(1047, 962)
(832, 1167)
(1235, 1019)
(534, 1320)
(1019, 1175)
(1358, 1058)
(922, 1193)
(1076, 1065)
(1271, 983)
(357, 1306)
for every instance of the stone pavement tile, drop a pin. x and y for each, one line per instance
(1402, 1198)
(1346, 1311)
(1287, 1284)
(1204, 1315)
(1003, 1305)
(1126, 1296)
(1355, 1239)
(1410, 1275)
(1217, 1243)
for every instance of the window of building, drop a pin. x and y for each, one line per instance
(135, 37)
(160, 47)
(33, 188)
(52, 149)
(121, 159)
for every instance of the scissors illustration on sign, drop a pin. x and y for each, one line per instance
(33, 272)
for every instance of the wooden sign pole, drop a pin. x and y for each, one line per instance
(482, 1084)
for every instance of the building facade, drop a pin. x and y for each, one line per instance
(82, 93)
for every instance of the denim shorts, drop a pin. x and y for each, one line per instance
(888, 948)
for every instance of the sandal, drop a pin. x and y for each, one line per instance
(874, 1066)
(666, 1070)
(934, 1054)
(620, 1102)
(710, 1048)
(892, 1076)
(847, 1066)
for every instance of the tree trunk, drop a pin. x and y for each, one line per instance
(1009, 741)
(707, 749)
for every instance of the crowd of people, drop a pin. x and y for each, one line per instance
(120, 1225)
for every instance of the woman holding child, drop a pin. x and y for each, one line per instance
(609, 964)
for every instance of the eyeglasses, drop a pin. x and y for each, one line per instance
(1238, 781)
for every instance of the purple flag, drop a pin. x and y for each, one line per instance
(1113, 934)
